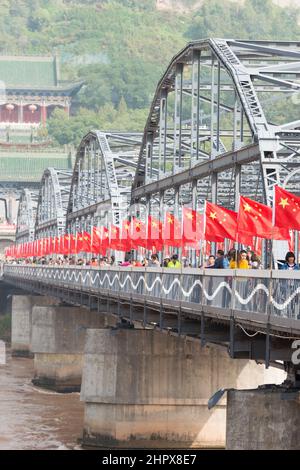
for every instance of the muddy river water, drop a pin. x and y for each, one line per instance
(33, 418)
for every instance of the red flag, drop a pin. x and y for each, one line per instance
(138, 233)
(171, 233)
(59, 245)
(40, 248)
(99, 240)
(220, 246)
(220, 223)
(193, 227)
(208, 247)
(114, 237)
(255, 219)
(63, 245)
(46, 246)
(125, 243)
(119, 239)
(244, 239)
(258, 246)
(70, 244)
(86, 242)
(154, 234)
(287, 209)
(56, 245)
(51, 246)
(83, 242)
(95, 240)
(104, 239)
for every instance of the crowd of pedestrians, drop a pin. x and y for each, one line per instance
(232, 260)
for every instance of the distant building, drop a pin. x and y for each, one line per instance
(30, 89)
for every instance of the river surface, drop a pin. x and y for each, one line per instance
(34, 418)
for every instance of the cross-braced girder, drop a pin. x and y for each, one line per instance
(103, 175)
(215, 100)
(26, 216)
(52, 203)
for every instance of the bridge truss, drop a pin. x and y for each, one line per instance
(224, 121)
(26, 216)
(211, 133)
(102, 179)
(52, 203)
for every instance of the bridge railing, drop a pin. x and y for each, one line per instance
(263, 292)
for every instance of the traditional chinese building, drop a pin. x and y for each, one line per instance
(31, 89)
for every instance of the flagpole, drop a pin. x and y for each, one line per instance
(273, 225)
(204, 231)
(76, 247)
(236, 244)
(180, 248)
(296, 246)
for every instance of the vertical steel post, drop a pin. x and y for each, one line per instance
(237, 187)
(149, 157)
(162, 133)
(178, 115)
(296, 237)
(176, 209)
(212, 107)
(218, 107)
(161, 215)
(237, 178)
(235, 123)
(194, 207)
(214, 198)
(195, 108)
(241, 125)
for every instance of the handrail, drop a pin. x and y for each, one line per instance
(248, 273)
(260, 292)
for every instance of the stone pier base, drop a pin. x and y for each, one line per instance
(21, 322)
(58, 337)
(145, 389)
(59, 372)
(263, 419)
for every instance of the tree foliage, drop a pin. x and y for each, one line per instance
(252, 19)
(120, 48)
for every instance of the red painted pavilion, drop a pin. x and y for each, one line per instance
(30, 88)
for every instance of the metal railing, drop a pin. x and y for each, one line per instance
(264, 292)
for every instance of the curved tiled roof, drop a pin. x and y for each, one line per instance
(28, 167)
(35, 73)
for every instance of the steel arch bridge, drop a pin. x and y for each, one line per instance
(103, 174)
(52, 203)
(26, 216)
(211, 133)
(224, 120)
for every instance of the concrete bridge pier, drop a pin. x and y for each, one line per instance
(58, 338)
(263, 419)
(21, 321)
(146, 389)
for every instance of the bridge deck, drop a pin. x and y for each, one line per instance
(259, 300)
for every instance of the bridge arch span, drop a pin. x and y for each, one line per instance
(26, 216)
(101, 182)
(52, 203)
(211, 128)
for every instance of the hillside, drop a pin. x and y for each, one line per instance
(121, 47)
(191, 5)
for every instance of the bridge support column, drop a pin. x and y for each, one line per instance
(58, 337)
(263, 419)
(21, 322)
(142, 388)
